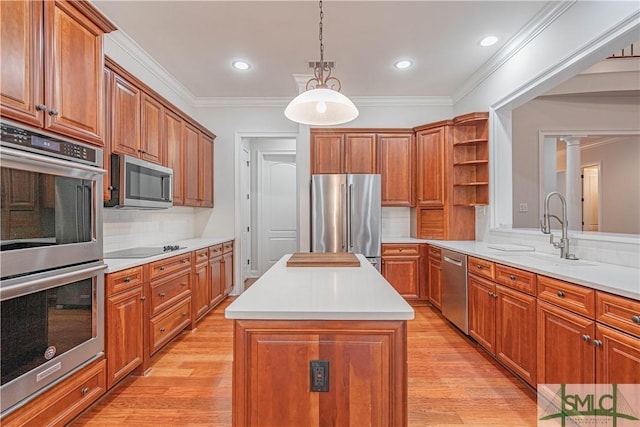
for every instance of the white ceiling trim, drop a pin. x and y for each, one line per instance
(360, 101)
(137, 53)
(535, 26)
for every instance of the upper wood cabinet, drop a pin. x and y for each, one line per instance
(326, 152)
(431, 146)
(173, 129)
(470, 159)
(191, 142)
(396, 155)
(44, 83)
(360, 154)
(205, 171)
(124, 116)
(152, 141)
(338, 151)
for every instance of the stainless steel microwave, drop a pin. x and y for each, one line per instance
(138, 184)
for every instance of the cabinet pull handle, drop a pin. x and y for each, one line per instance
(84, 390)
(53, 112)
(127, 279)
(183, 261)
(560, 294)
(597, 343)
(162, 294)
(512, 277)
(143, 298)
(161, 268)
(183, 284)
(586, 338)
(479, 267)
(162, 329)
(636, 319)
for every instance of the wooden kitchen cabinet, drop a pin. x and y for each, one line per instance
(173, 134)
(340, 151)
(227, 267)
(216, 275)
(44, 83)
(482, 312)
(396, 154)
(124, 116)
(617, 356)
(124, 327)
(401, 268)
(360, 154)
(152, 141)
(201, 285)
(470, 159)
(191, 142)
(435, 277)
(431, 143)
(326, 152)
(205, 171)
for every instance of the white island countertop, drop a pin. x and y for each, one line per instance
(320, 293)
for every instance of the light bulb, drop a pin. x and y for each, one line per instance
(321, 107)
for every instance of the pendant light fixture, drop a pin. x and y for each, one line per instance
(321, 103)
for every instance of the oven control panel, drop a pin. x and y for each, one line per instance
(35, 142)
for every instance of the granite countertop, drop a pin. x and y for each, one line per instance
(615, 279)
(118, 264)
(320, 293)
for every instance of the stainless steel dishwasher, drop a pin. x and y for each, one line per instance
(454, 289)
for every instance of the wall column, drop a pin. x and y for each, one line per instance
(574, 183)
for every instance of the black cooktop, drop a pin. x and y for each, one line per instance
(143, 251)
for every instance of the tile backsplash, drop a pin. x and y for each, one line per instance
(124, 229)
(396, 222)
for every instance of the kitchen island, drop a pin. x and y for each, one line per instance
(349, 317)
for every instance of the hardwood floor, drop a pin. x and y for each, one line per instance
(451, 382)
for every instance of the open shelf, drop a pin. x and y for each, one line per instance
(476, 141)
(471, 163)
(471, 160)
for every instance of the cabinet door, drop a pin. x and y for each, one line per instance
(106, 150)
(215, 276)
(175, 154)
(205, 174)
(124, 329)
(617, 357)
(326, 153)
(565, 352)
(21, 61)
(396, 155)
(431, 144)
(516, 332)
(191, 141)
(482, 312)
(360, 154)
(200, 296)
(73, 73)
(435, 283)
(402, 274)
(227, 266)
(125, 116)
(151, 139)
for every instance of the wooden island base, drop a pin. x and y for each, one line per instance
(367, 373)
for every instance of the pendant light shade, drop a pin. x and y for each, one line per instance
(321, 106)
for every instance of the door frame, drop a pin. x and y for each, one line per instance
(598, 166)
(239, 139)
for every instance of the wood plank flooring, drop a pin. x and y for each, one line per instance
(451, 382)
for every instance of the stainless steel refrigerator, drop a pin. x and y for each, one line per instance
(346, 214)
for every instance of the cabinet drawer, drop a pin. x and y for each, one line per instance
(169, 265)
(618, 312)
(517, 279)
(167, 325)
(64, 401)
(215, 251)
(227, 247)
(435, 253)
(389, 249)
(482, 267)
(123, 280)
(201, 255)
(167, 291)
(576, 298)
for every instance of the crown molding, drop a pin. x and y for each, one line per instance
(360, 101)
(138, 54)
(545, 17)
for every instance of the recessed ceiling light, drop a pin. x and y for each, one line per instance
(402, 64)
(489, 41)
(241, 65)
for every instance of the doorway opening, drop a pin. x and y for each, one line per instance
(591, 198)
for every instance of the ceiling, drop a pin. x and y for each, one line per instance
(196, 42)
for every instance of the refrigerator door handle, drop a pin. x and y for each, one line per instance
(345, 222)
(349, 213)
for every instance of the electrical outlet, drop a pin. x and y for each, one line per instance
(319, 375)
(524, 207)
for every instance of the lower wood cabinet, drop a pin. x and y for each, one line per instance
(165, 326)
(367, 363)
(227, 267)
(63, 402)
(401, 268)
(434, 288)
(201, 284)
(617, 356)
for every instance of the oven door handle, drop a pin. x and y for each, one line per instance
(24, 285)
(39, 163)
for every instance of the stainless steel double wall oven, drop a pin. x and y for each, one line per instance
(52, 273)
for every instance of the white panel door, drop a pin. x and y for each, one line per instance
(245, 202)
(590, 199)
(277, 207)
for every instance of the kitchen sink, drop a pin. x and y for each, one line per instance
(546, 260)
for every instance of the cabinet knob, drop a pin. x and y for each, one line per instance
(586, 338)
(162, 295)
(183, 284)
(183, 314)
(41, 107)
(53, 112)
(597, 343)
(162, 329)
(143, 298)
(512, 277)
(84, 390)
(479, 267)
(400, 250)
(490, 294)
(636, 319)
(127, 279)
(161, 268)
(183, 261)
(560, 294)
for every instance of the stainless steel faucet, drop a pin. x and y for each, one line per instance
(545, 226)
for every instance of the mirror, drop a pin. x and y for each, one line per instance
(591, 123)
